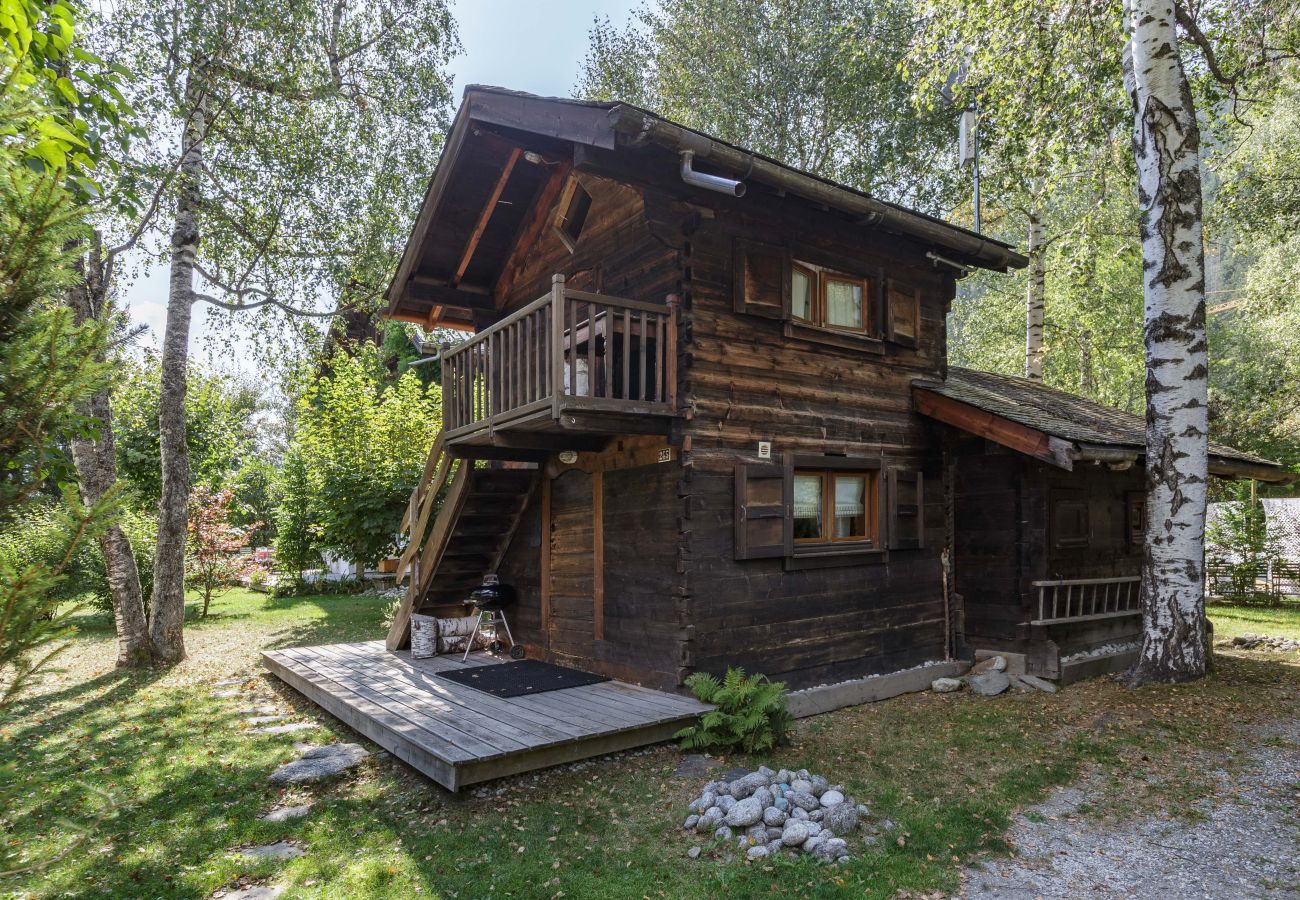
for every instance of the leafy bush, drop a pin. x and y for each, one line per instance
(38, 536)
(300, 587)
(751, 713)
(141, 530)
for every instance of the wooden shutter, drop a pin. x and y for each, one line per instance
(902, 313)
(761, 280)
(763, 528)
(906, 509)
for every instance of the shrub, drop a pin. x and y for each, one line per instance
(751, 713)
(38, 536)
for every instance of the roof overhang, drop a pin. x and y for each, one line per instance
(465, 205)
(1063, 453)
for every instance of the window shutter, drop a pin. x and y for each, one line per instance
(761, 276)
(763, 529)
(902, 313)
(906, 509)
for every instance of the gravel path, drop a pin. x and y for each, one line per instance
(1248, 846)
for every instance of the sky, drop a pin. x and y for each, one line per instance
(518, 44)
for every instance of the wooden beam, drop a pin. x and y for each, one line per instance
(598, 555)
(544, 565)
(982, 423)
(483, 217)
(530, 231)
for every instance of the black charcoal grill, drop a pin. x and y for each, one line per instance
(490, 600)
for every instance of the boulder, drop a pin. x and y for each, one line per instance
(725, 802)
(757, 834)
(745, 787)
(819, 785)
(764, 797)
(745, 813)
(785, 776)
(691, 822)
(774, 833)
(799, 813)
(990, 684)
(804, 800)
(945, 685)
(758, 852)
(774, 816)
(722, 833)
(831, 798)
(801, 784)
(841, 819)
(794, 833)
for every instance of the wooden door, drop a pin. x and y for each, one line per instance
(571, 623)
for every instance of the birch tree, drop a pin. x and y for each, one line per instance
(290, 146)
(1039, 94)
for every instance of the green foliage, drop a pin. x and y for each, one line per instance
(37, 535)
(356, 456)
(1239, 542)
(220, 429)
(751, 713)
(141, 529)
(256, 487)
(813, 83)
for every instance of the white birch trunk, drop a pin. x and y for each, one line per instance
(1035, 297)
(167, 607)
(1166, 145)
(96, 464)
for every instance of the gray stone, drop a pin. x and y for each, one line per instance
(708, 822)
(863, 811)
(745, 813)
(725, 802)
(785, 776)
(945, 685)
(694, 765)
(691, 821)
(799, 813)
(722, 833)
(831, 798)
(801, 784)
(764, 770)
(774, 833)
(990, 684)
(285, 813)
(794, 833)
(816, 815)
(838, 846)
(264, 720)
(804, 800)
(764, 797)
(742, 843)
(693, 853)
(320, 763)
(288, 728)
(278, 850)
(757, 834)
(841, 818)
(814, 828)
(1037, 683)
(745, 787)
(819, 785)
(704, 801)
(781, 803)
(774, 847)
(258, 892)
(774, 816)
(759, 852)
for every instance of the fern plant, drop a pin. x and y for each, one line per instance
(751, 713)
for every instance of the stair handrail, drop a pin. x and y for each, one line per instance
(419, 511)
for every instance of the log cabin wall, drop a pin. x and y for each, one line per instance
(747, 380)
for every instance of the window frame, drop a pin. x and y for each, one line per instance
(825, 277)
(869, 334)
(827, 468)
(814, 294)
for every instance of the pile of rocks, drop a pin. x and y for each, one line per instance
(1262, 642)
(766, 812)
(989, 677)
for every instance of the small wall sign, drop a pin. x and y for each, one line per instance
(568, 457)
(764, 449)
(666, 455)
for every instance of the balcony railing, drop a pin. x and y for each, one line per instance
(567, 351)
(1084, 599)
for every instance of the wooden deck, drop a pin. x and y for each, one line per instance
(459, 736)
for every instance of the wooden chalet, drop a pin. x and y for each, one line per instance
(703, 417)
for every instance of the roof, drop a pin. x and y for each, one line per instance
(1076, 428)
(479, 198)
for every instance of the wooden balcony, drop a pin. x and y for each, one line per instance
(568, 365)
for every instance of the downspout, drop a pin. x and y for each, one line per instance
(709, 182)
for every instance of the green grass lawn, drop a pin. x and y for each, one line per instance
(1230, 621)
(167, 782)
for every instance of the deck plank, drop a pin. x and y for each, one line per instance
(458, 735)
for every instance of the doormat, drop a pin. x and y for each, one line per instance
(515, 679)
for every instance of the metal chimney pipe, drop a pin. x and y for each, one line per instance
(709, 182)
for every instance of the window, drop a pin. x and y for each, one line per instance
(834, 506)
(576, 208)
(827, 299)
(1071, 528)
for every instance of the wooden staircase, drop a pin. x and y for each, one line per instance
(477, 513)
